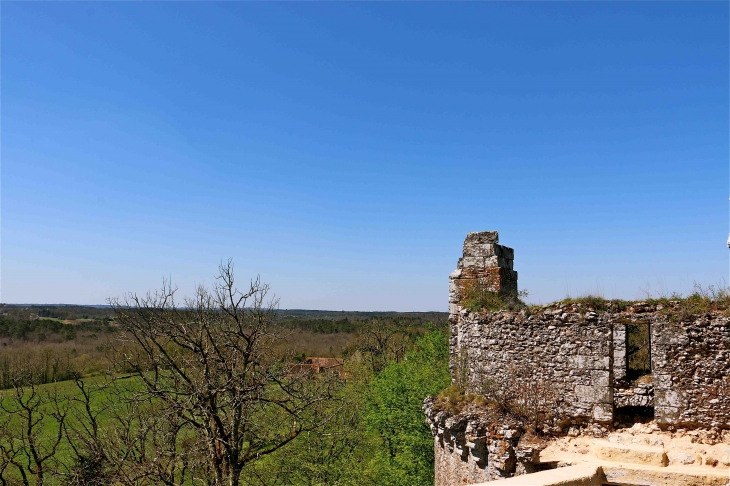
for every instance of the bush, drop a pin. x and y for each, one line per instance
(702, 300)
(595, 302)
(454, 401)
(534, 403)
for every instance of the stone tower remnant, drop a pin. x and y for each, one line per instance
(485, 262)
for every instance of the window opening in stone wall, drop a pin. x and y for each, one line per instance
(638, 351)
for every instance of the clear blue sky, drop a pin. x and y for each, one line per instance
(343, 150)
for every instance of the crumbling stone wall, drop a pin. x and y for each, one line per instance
(577, 353)
(691, 371)
(488, 262)
(566, 355)
(471, 447)
(484, 263)
(580, 352)
(572, 349)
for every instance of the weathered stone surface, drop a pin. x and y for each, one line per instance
(480, 238)
(630, 453)
(579, 475)
(620, 363)
(471, 447)
(641, 395)
(575, 358)
(691, 365)
(572, 359)
(645, 455)
(485, 263)
(539, 354)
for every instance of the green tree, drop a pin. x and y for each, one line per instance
(394, 411)
(340, 453)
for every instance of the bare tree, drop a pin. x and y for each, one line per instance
(149, 444)
(8, 451)
(25, 443)
(83, 433)
(383, 341)
(212, 363)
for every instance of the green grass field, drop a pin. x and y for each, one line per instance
(65, 396)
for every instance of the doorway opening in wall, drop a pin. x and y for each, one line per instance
(634, 415)
(638, 351)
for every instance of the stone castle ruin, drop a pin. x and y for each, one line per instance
(593, 367)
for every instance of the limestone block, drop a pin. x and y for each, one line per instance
(662, 381)
(664, 414)
(578, 475)
(502, 455)
(600, 378)
(603, 363)
(669, 399)
(629, 453)
(602, 412)
(619, 474)
(581, 362)
(594, 394)
(483, 250)
(481, 238)
(484, 262)
(619, 351)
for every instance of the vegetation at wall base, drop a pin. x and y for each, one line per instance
(454, 401)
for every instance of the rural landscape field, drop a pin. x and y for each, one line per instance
(85, 400)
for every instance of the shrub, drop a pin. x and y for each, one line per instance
(593, 301)
(454, 400)
(477, 296)
(533, 402)
(701, 300)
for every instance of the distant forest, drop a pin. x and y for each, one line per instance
(54, 322)
(57, 340)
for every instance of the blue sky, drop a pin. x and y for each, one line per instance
(343, 150)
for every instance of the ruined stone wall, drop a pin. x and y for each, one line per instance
(572, 356)
(484, 264)
(472, 447)
(577, 351)
(691, 371)
(565, 355)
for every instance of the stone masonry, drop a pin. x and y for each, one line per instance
(691, 371)
(575, 358)
(563, 355)
(484, 263)
(472, 447)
